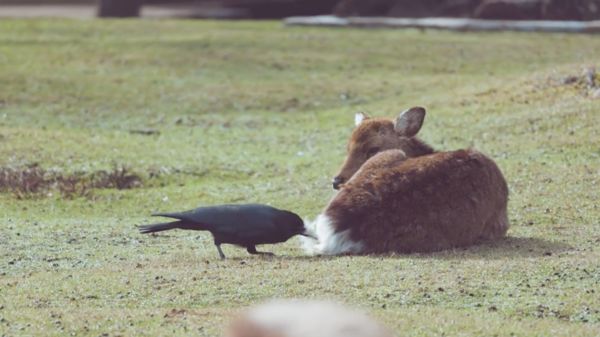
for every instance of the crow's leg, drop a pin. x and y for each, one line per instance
(252, 250)
(220, 251)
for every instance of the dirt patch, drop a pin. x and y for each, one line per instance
(32, 181)
(587, 82)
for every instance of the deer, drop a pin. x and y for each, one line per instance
(398, 195)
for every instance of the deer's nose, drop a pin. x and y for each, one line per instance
(337, 181)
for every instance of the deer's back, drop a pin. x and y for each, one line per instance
(420, 204)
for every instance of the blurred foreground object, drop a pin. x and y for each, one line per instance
(304, 318)
(119, 8)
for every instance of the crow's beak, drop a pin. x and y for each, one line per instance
(309, 235)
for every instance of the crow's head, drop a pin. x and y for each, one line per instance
(295, 225)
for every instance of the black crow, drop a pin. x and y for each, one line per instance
(242, 225)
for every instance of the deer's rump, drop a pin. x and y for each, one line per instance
(428, 203)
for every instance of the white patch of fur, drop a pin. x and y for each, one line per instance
(329, 242)
(359, 117)
(303, 318)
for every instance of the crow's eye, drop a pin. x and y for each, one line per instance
(372, 151)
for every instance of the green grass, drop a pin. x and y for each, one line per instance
(255, 112)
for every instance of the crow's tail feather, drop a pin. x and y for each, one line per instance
(159, 227)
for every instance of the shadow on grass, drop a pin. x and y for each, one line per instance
(308, 258)
(510, 247)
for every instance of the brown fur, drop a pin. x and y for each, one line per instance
(377, 133)
(403, 201)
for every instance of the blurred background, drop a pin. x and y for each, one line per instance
(272, 9)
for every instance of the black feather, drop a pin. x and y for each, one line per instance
(244, 225)
(159, 227)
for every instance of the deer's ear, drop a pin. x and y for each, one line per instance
(410, 121)
(359, 118)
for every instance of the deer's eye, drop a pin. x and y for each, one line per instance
(372, 151)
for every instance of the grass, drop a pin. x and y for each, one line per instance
(254, 112)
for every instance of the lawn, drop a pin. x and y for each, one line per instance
(203, 112)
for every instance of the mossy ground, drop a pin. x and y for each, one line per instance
(255, 112)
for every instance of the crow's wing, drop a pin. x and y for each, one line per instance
(252, 222)
(224, 213)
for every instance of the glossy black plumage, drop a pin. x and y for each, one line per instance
(244, 225)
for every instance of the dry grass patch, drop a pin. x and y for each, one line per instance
(34, 181)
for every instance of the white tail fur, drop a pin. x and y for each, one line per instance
(328, 241)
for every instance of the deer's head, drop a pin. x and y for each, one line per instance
(373, 135)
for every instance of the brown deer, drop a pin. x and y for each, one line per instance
(398, 195)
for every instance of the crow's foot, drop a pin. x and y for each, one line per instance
(252, 250)
(220, 252)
